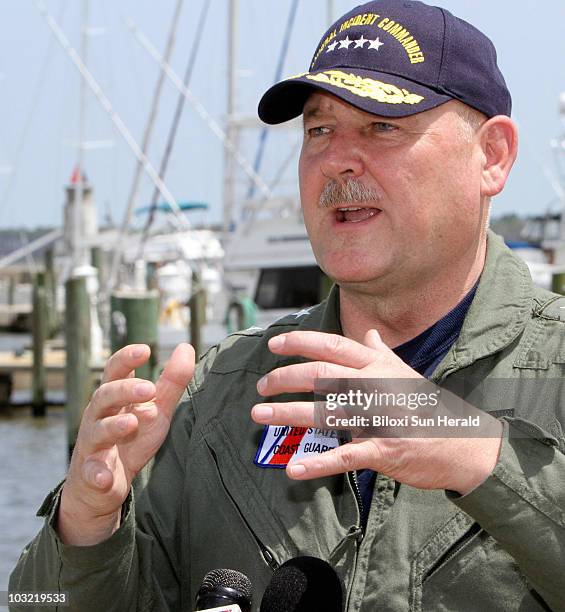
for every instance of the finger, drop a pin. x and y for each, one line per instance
(175, 378)
(372, 339)
(108, 431)
(110, 397)
(97, 475)
(346, 458)
(301, 377)
(332, 348)
(123, 362)
(298, 414)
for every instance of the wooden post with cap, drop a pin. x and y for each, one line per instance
(197, 305)
(134, 320)
(79, 385)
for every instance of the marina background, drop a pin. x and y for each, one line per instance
(39, 135)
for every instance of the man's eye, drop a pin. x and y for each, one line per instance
(383, 126)
(318, 131)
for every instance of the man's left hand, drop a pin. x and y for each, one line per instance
(458, 464)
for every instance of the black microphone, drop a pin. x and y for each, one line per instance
(222, 588)
(303, 584)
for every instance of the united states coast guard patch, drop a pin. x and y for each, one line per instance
(280, 444)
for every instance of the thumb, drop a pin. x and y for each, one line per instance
(175, 378)
(372, 339)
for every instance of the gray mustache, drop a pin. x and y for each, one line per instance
(350, 192)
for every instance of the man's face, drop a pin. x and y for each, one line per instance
(418, 182)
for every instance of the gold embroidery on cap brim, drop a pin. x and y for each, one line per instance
(365, 87)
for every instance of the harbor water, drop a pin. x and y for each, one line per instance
(33, 459)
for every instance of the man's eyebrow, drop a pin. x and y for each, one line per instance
(311, 113)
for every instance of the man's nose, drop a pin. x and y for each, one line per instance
(342, 158)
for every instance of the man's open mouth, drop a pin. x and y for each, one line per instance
(355, 214)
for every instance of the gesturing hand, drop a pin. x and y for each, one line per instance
(459, 464)
(122, 428)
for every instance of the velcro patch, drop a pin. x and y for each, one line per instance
(280, 444)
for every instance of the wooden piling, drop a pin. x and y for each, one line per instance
(197, 305)
(77, 340)
(97, 260)
(12, 284)
(558, 283)
(134, 320)
(39, 333)
(51, 293)
(152, 281)
(6, 385)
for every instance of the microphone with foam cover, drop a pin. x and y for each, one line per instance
(224, 589)
(303, 584)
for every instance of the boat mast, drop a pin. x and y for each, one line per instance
(78, 250)
(559, 149)
(232, 130)
(330, 11)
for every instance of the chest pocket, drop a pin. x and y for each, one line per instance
(543, 343)
(540, 363)
(244, 498)
(477, 575)
(461, 567)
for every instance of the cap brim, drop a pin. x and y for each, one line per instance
(378, 93)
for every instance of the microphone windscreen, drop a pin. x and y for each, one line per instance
(228, 578)
(303, 584)
(224, 587)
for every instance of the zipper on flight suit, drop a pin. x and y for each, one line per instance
(447, 556)
(352, 476)
(357, 531)
(357, 491)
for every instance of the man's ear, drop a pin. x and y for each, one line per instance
(499, 141)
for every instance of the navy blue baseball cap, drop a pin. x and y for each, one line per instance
(396, 58)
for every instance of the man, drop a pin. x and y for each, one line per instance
(407, 136)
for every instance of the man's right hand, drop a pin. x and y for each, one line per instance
(123, 426)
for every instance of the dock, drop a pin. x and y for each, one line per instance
(16, 371)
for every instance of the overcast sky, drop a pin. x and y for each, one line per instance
(39, 119)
